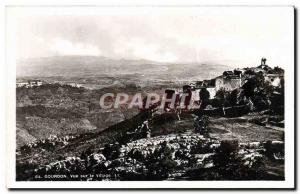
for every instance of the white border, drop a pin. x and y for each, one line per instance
(10, 110)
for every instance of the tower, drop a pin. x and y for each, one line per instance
(263, 61)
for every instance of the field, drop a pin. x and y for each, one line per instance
(244, 130)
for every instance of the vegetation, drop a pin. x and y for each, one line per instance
(160, 164)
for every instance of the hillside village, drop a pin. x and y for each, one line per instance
(29, 83)
(234, 93)
(231, 80)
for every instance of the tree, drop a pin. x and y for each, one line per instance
(160, 164)
(233, 97)
(221, 94)
(230, 166)
(226, 158)
(278, 70)
(254, 85)
(249, 72)
(204, 95)
(111, 152)
(201, 125)
(225, 98)
(136, 154)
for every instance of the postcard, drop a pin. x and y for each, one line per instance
(150, 97)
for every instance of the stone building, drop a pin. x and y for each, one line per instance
(29, 83)
(228, 81)
(274, 79)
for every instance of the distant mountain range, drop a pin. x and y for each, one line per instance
(90, 66)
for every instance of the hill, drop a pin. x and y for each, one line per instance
(92, 66)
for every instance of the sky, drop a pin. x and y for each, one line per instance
(239, 38)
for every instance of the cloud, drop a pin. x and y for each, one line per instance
(236, 37)
(136, 48)
(65, 47)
